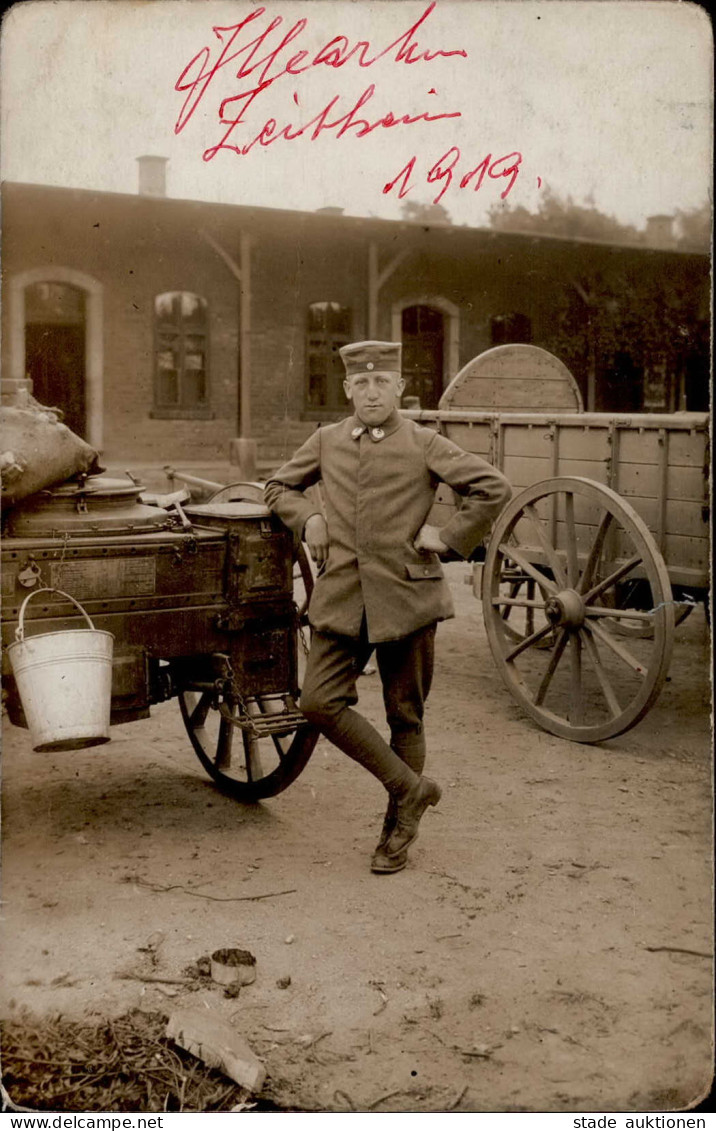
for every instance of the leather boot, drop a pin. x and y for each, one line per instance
(380, 862)
(391, 816)
(410, 809)
(383, 864)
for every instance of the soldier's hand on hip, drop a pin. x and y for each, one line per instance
(428, 538)
(315, 536)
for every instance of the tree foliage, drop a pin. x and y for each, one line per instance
(425, 213)
(694, 227)
(558, 217)
(562, 217)
(629, 325)
(621, 317)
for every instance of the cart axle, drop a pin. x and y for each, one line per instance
(565, 609)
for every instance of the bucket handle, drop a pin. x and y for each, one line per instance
(20, 630)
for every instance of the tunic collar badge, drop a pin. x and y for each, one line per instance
(379, 432)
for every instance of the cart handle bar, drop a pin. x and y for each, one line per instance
(172, 474)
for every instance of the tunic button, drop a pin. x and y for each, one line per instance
(426, 570)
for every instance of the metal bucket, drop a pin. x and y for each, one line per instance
(64, 680)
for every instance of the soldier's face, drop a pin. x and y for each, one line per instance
(374, 395)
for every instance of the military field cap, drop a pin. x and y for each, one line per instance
(371, 357)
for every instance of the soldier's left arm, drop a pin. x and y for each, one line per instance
(484, 491)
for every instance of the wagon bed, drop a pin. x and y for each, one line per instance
(659, 464)
(604, 545)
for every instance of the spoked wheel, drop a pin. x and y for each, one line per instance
(628, 597)
(584, 549)
(521, 620)
(302, 588)
(248, 765)
(238, 493)
(260, 761)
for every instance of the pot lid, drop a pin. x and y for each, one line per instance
(101, 486)
(238, 509)
(86, 507)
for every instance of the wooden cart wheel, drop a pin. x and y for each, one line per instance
(520, 620)
(580, 543)
(238, 493)
(636, 627)
(302, 587)
(244, 767)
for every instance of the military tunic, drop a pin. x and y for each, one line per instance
(378, 487)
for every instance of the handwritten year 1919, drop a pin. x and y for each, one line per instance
(444, 170)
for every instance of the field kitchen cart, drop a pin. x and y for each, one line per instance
(200, 602)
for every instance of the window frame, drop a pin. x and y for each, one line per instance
(180, 411)
(332, 338)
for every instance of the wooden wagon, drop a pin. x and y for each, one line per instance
(604, 546)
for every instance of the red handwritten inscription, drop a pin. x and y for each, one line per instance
(261, 52)
(322, 122)
(444, 168)
(268, 68)
(270, 55)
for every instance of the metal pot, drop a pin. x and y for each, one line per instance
(97, 504)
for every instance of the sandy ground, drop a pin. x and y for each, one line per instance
(520, 963)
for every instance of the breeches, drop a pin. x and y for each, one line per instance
(329, 692)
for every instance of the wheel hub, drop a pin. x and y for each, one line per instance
(565, 609)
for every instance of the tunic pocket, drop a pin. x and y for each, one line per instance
(420, 571)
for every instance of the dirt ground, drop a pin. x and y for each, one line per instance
(547, 949)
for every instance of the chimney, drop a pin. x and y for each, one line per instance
(660, 231)
(152, 176)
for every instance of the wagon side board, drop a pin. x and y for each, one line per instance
(657, 463)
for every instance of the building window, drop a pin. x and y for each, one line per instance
(510, 329)
(181, 356)
(328, 328)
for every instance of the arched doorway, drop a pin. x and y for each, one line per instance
(55, 349)
(429, 328)
(72, 300)
(423, 338)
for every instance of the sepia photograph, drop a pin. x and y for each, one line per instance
(356, 528)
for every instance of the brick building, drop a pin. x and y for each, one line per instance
(165, 328)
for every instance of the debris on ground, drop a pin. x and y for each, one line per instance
(152, 946)
(199, 971)
(232, 966)
(125, 1064)
(217, 1043)
(383, 996)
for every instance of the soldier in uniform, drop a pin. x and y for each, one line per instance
(380, 583)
